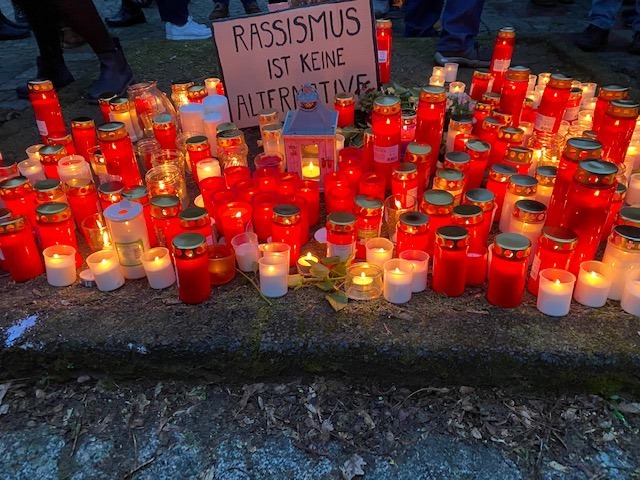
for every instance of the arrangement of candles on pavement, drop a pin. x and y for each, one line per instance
(546, 160)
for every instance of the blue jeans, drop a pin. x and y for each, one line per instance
(460, 22)
(603, 14)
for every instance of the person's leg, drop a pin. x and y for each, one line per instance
(251, 7)
(460, 26)
(421, 16)
(601, 18)
(130, 13)
(178, 24)
(220, 10)
(174, 11)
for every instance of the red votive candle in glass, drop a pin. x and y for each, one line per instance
(552, 104)
(431, 114)
(606, 95)
(341, 235)
(285, 228)
(83, 199)
(287, 183)
(479, 83)
(518, 157)
(555, 248)
(310, 191)
(46, 108)
(420, 155)
(66, 140)
(104, 99)
(501, 57)
(471, 217)
(198, 148)
(368, 212)
(118, 153)
(508, 270)
(367, 149)
(164, 129)
(5, 214)
(21, 256)
(450, 260)
(412, 232)
(438, 204)
(514, 91)
(196, 220)
(488, 130)
(234, 217)
(49, 190)
(83, 130)
(386, 121)
(235, 174)
(458, 161)
(384, 35)
(506, 119)
(372, 184)
(50, 155)
(408, 131)
(499, 176)
(18, 196)
(333, 179)
(208, 187)
(339, 199)
(301, 203)
(345, 104)
(140, 194)
(485, 199)
(493, 98)
(55, 226)
(196, 93)
(404, 179)
(262, 213)
(507, 137)
(452, 181)
(612, 216)
(246, 189)
(481, 111)
(110, 193)
(479, 153)
(267, 179)
(459, 124)
(350, 165)
(164, 217)
(617, 129)
(219, 200)
(573, 105)
(191, 260)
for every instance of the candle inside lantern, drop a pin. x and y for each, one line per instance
(305, 263)
(60, 265)
(555, 291)
(106, 270)
(310, 170)
(273, 276)
(158, 268)
(245, 245)
(398, 279)
(593, 285)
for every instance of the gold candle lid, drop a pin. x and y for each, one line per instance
(433, 94)
(52, 153)
(387, 105)
(344, 222)
(596, 173)
(417, 153)
(623, 108)
(530, 211)
(546, 175)
(560, 81)
(518, 73)
(452, 237)
(613, 92)
(83, 122)
(344, 99)
(53, 212)
(181, 86)
(483, 198)
(405, 168)
(78, 187)
(119, 104)
(523, 185)
(437, 202)
(112, 131)
(512, 246)
(189, 245)
(195, 92)
(273, 131)
(165, 206)
(163, 121)
(192, 217)
(467, 214)
(558, 238)
(483, 107)
(40, 85)
(367, 206)
(580, 148)
(286, 213)
(628, 216)
(414, 219)
(383, 23)
(16, 187)
(506, 32)
(520, 155)
(626, 237)
(456, 160)
(449, 179)
(511, 134)
(501, 172)
(12, 224)
(197, 143)
(482, 74)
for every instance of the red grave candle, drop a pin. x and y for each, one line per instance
(5, 214)
(50, 155)
(438, 204)
(104, 100)
(234, 217)
(528, 113)
(219, 200)
(552, 104)
(299, 202)
(479, 153)
(196, 93)
(235, 174)
(18, 246)
(310, 191)
(384, 35)
(140, 194)
(118, 153)
(450, 260)
(404, 179)
(46, 109)
(208, 187)
(192, 268)
(49, 190)
(339, 199)
(18, 196)
(285, 228)
(164, 217)
(341, 235)
(573, 105)
(372, 184)
(408, 130)
(368, 212)
(246, 189)
(489, 129)
(83, 199)
(420, 154)
(612, 216)
(196, 220)
(616, 130)
(499, 175)
(481, 111)
(605, 96)
(479, 83)
(83, 130)
(518, 157)
(507, 137)
(413, 232)
(267, 179)
(350, 165)
(110, 193)
(288, 183)
(386, 121)
(333, 179)
(485, 199)
(367, 150)
(493, 98)
(431, 115)
(514, 91)
(198, 148)
(501, 57)
(344, 103)
(55, 227)
(262, 213)
(555, 247)
(471, 217)
(508, 270)
(453, 181)
(66, 140)
(164, 129)
(457, 161)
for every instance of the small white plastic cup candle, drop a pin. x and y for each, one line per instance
(275, 249)
(593, 284)
(208, 167)
(633, 190)
(457, 87)
(273, 276)
(436, 81)
(420, 262)
(450, 72)
(217, 104)
(34, 151)
(192, 117)
(60, 265)
(630, 301)
(106, 270)
(588, 89)
(158, 267)
(305, 262)
(74, 167)
(398, 279)
(245, 245)
(437, 72)
(32, 169)
(211, 122)
(555, 292)
(379, 251)
(211, 84)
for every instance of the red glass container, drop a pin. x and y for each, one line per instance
(246, 189)
(612, 216)
(616, 130)
(49, 190)
(299, 202)
(489, 129)
(481, 111)
(479, 83)
(198, 148)
(372, 184)
(420, 154)
(457, 161)
(479, 153)
(471, 217)
(222, 264)
(66, 140)
(368, 212)
(499, 176)
(18, 196)
(104, 100)
(140, 194)
(367, 149)
(267, 179)
(384, 36)
(83, 130)
(386, 121)
(164, 129)
(18, 246)
(514, 91)
(164, 217)
(431, 114)
(50, 155)
(5, 214)
(404, 179)
(208, 187)
(412, 231)
(234, 218)
(191, 260)
(341, 235)
(262, 213)
(438, 204)
(605, 96)
(501, 57)
(235, 174)
(552, 104)
(485, 199)
(46, 109)
(350, 165)
(82, 196)
(507, 137)
(345, 104)
(453, 181)
(528, 113)
(288, 183)
(573, 105)
(310, 191)
(118, 153)
(55, 226)
(408, 131)
(285, 228)
(196, 220)
(333, 179)
(508, 270)
(196, 93)
(219, 200)
(339, 199)
(110, 193)
(555, 247)
(518, 157)
(450, 260)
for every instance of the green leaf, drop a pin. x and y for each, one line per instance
(337, 299)
(340, 270)
(319, 271)
(330, 261)
(255, 266)
(326, 285)
(294, 281)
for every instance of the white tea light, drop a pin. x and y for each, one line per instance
(450, 72)
(158, 268)
(556, 289)
(593, 285)
(398, 279)
(60, 265)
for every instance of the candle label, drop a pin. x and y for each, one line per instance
(365, 234)
(129, 253)
(42, 127)
(544, 123)
(413, 192)
(535, 267)
(386, 154)
(501, 65)
(342, 251)
(571, 113)
(382, 56)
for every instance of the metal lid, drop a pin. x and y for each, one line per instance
(625, 237)
(114, 186)
(433, 94)
(16, 182)
(506, 32)
(484, 107)
(409, 115)
(530, 211)
(505, 118)
(105, 97)
(491, 97)
(270, 113)
(558, 238)
(623, 108)
(581, 148)
(52, 153)
(53, 212)
(119, 104)
(181, 84)
(512, 246)
(511, 134)
(135, 192)
(12, 224)
(368, 203)
(522, 184)
(414, 219)
(196, 91)
(123, 211)
(491, 123)
(613, 92)
(467, 214)
(404, 168)
(629, 216)
(80, 186)
(560, 81)
(165, 201)
(482, 73)
(502, 172)
(286, 210)
(47, 185)
(344, 99)
(232, 126)
(83, 122)
(340, 218)
(188, 245)
(5, 213)
(456, 158)
(387, 105)
(163, 121)
(481, 197)
(518, 73)
(40, 85)
(112, 131)
(546, 175)
(620, 193)
(449, 174)
(438, 197)
(383, 23)
(462, 119)
(452, 237)
(477, 146)
(197, 143)
(416, 151)
(193, 213)
(596, 173)
(520, 155)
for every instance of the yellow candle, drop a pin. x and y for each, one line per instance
(304, 263)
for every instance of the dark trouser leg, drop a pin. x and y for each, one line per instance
(174, 11)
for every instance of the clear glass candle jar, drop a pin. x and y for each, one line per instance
(94, 228)
(74, 167)
(110, 193)
(83, 130)
(272, 139)
(165, 130)
(344, 103)
(553, 104)
(528, 219)
(450, 260)
(363, 282)
(384, 35)
(18, 247)
(167, 180)
(128, 230)
(412, 232)
(606, 95)
(450, 180)
(386, 121)
(485, 199)
(514, 91)
(420, 154)
(341, 235)
(122, 110)
(149, 100)
(555, 248)
(117, 149)
(50, 155)
(191, 258)
(404, 179)
(501, 57)
(438, 204)
(54, 223)
(368, 212)
(164, 210)
(232, 149)
(19, 196)
(519, 187)
(508, 269)
(46, 108)
(616, 130)
(431, 115)
(479, 83)
(285, 228)
(622, 255)
(179, 93)
(479, 153)
(83, 199)
(521, 158)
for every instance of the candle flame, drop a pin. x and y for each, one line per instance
(55, 255)
(380, 250)
(362, 275)
(161, 185)
(99, 224)
(156, 259)
(105, 238)
(593, 274)
(104, 261)
(311, 165)
(397, 270)
(271, 269)
(309, 255)
(557, 281)
(239, 215)
(398, 204)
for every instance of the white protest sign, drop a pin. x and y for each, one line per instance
(266, 59)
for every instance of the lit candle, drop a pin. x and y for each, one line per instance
(630, 301)
(437, 72)
(191, 257)
(457, 87)
(310, 171)
(363, 282)
(379, 250)
(60, 265)
(209, 167)
(106, 270)
(398, 279)
(436, 81)
(32, 169)
(420, 262)
(246, 247)
(305, 263)
(450, 72)
(158, 267)
(33, 151)
(593, 285)
(275, 249)
(222, 264)
(555, 291)
(273, 276)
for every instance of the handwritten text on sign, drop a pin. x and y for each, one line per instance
(265, 59)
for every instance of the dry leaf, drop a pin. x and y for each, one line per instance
(353, 467)
(466, 390)
(4, 387)
(367, 419)
(475, 433)
(629, 408)
(559, 467)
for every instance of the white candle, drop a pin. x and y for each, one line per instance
(275, 249)
(74, 167)
(420, 262)
(593, 285)
(273, 276)
(211, 123)
(158, 267)
(60, 265)
(450, 72)
(633, 190)
(128, 231)
(339, 142)
(199, 201)
(33, 151)
(556, 289)
(305, 262)
(588, 89)
(378, 250)
(192, 117)
(208, 167)
(310, 171)
(32, 169)
(106, 270)
(436, 81)
(630, 301)
(398, 279)
(130, 123)
(245, 246)
(456, 87)
(217, 104)
(437, 72)
(211, 84)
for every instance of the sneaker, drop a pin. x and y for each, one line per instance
(475, 57)
(251, 8)
(635, 44)
(593, 38)
(220, 10)
(189, 31)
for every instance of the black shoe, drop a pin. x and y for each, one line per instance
(127, 15)
(58, 73)
(251, 8)
(115, 74)
(593, 38)
(635, 44)
(628, 15)
(6, 21)
(475, 57)
(7, 32)
(220, 10)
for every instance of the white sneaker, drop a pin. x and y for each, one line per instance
(189, 31)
